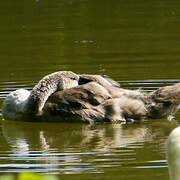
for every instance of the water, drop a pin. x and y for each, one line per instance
(91, 151)
(135, 43)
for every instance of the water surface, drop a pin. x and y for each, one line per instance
(135, 43)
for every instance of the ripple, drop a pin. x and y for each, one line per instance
(144, 85)
(19, 165)
(152, 164)
(7, 87)
(47, 162)
(77, 162)
(54, 171)
(148, 85)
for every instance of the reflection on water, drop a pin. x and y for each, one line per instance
(71, 148)
(77, 148)
(123, 39)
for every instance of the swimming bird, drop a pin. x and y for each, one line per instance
(92, 102)
(23, 104)
(66, 96)
(173, 154)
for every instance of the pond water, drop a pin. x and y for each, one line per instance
(135, 43)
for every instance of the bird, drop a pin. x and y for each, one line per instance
(65, 96)
(92, 102)
(173, 154)
(24, 104)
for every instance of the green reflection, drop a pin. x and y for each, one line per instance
(125, 40)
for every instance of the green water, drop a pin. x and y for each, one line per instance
(134, 42)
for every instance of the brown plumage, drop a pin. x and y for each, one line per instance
(94, 103)
(166, 101)
(66, 96)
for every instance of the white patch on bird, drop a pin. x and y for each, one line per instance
(15, 103)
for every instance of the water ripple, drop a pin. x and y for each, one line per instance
(7, 87)
(145, 85)
(148, 85)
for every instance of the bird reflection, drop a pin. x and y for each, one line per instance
(66, 146)
(54, 137)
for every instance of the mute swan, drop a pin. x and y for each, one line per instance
(173, 152)
(23, 104)
(66, 96)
